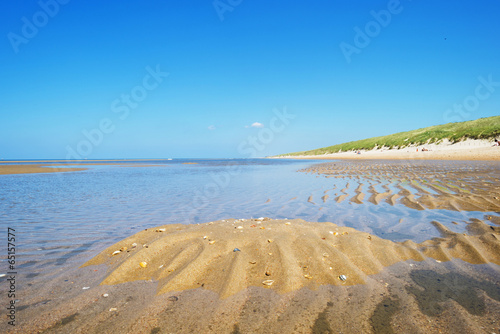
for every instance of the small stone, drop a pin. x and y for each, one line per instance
(369, 237)
(331, 232)
(105, 295)
(204, 237)
(269, 240)
(252, 262)
(308, 276)
(173, 298)
(134, 245)
(268, 273)
(86, 288)
(113, 309)
(123, 249)
(239, 227)
(236, 250)
(143, 264)
(161, 230)
(211, 242)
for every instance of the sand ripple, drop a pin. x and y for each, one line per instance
(455, 186)
(292, 253)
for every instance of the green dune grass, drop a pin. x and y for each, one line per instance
(483, 128)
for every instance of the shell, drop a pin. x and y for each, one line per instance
(211, 242)
(268, 282)
(161, 230)
(308, 276)
(143, 264)
(236, 250)
(343, 278)
(116, 252)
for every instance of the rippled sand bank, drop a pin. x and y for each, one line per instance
(284, 277)
(417, 185)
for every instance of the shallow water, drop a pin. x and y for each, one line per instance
(62, 218)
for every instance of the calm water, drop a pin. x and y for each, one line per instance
(63, 219)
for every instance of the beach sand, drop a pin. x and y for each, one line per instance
(29, 169)
(418, 185)
(193, 281)
(466, 150)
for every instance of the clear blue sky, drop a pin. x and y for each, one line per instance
(229, 67)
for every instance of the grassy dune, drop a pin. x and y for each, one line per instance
(483, 128)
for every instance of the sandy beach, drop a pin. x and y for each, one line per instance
(466, 150)
(280, 276)
(265, 275)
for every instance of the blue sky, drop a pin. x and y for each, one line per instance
(68, 67)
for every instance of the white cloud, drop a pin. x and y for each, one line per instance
(257, 125)
(211, 127)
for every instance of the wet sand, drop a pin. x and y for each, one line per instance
(29, 169)
(193, 280)
(418, 185)
(7, 169)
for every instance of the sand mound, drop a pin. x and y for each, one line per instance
(283, 255)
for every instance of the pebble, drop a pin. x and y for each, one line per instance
(134, 245)
(269, 240)
(211, 242)
(105, 295)
(86, 288)
(173, 298)
(113, 309)
(236, 250)
(161, 230)
(308, 276)
(239, 227)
